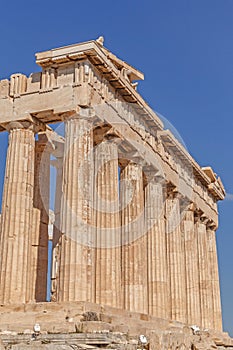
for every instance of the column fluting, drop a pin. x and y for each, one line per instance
(176, 261)
(206, 299)
(157, 252)
(134, 240)
(192, 268)
(76, 258)
(213, 261)
(108, 249)
(17, 212)
(39, 257)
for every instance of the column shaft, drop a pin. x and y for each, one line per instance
(39, 258)
(108, 250)
(213, 261)
(157, 252)
(17, 209)
(76, 261)
(204, 277)
(58, 163)
(57, 229)
(192, 269)
(176, 266)
(134, 240)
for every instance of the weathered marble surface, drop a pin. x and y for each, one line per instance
(135, 215)
(89, 326)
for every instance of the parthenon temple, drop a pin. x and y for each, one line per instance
(135, 216)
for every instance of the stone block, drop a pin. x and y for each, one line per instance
(105, 318)
(93, 326)
(41, 347)
(4, 88)
(121, 328)
(154, 341)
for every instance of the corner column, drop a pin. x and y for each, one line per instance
(108, 242)
(76, 260)
(134, 240)
(206, 299)
(17, 213)
(213, 261)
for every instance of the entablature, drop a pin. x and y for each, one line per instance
(87, 75)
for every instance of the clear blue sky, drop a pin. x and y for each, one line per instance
(184, 47)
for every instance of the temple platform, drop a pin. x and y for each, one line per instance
(81, 325)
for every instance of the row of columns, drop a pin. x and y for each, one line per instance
(162, 266)
(126, 247)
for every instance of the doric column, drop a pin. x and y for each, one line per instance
(17, 212)
(204, 274)
(213, 262)
(58, 163)
(56, 250)
(175, 250)
(108, 250)
(134, 239)
(157, 252)
(39, 256)
(192, 268)
(76, 261)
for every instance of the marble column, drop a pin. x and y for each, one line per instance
(157, 252)
(192, 268)
(204, 274)
(108, 242)
(58, 163)
(17, 211)
(39, 257)
(76, 260)
(176, 261)
(134, 240)
(213, 261)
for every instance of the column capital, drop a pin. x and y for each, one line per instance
(80, 113)
(44, 143)
(172, 192)
(154, 175)
(189, 212)
(137, 157)
(200, 217)
(113, 136)
(211, 226)
(55, 140)
(26, 123)
(191, 207)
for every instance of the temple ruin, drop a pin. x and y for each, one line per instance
(135, 216)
